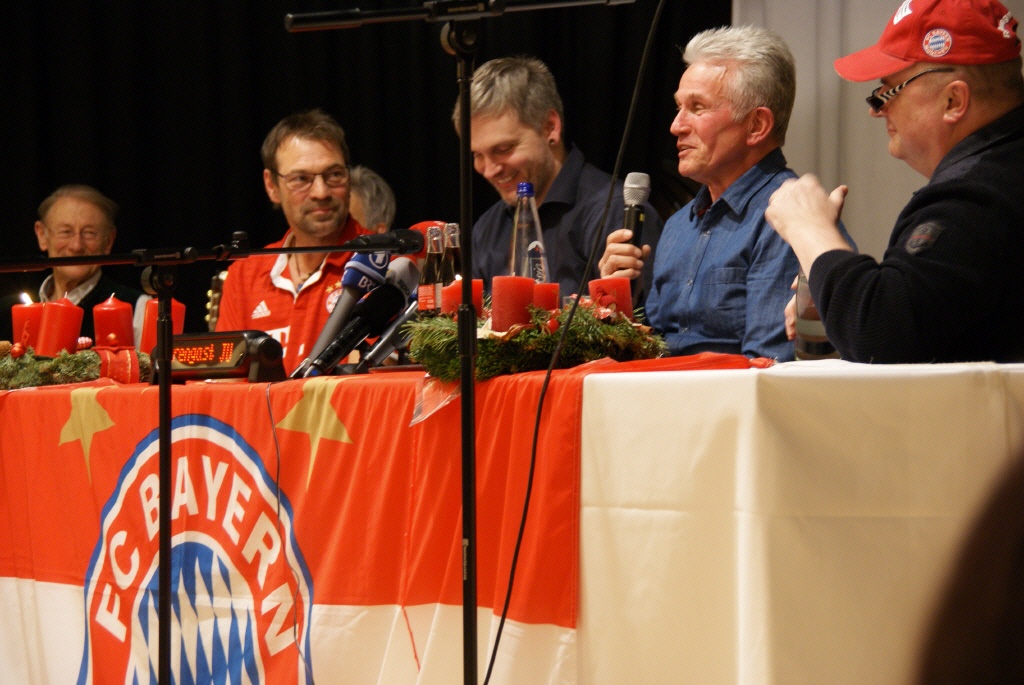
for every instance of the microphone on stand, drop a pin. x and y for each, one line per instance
(389, 341)
(363, 272)
(399, 241)
(370, 317)
(635, 191)
(403, 272)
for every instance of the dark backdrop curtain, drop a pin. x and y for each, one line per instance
(163, 106)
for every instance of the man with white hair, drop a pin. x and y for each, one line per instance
(721, 276)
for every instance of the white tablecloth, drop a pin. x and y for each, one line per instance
(781, 526)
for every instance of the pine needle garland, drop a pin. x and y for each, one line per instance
(595, 333)
(29, 371)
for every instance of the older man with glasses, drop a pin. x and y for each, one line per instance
(952, 97)
(306, 174)
(78, 221)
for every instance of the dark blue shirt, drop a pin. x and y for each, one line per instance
(722, 275)
(570, 218)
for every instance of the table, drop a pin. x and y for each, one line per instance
(315, 531)
(785, 526)
(758, 526)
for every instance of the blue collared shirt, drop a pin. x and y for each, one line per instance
(722, 275)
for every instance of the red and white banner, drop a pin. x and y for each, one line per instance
(316, 535)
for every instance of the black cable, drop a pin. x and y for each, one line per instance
(599, 239)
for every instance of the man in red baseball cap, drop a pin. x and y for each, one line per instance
(952, 97)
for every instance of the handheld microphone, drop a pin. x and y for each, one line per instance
(363, 272)
(399, 241)
(635, 191)
(370, 317)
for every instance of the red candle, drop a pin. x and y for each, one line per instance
(26, 320)
(148, 342)
(510, 297)
(478, 296)
(613, 293)
(547, 296)
(59, 328)
(112, 322)
(451, 296)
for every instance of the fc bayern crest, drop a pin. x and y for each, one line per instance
(240, 591)
(937, 43)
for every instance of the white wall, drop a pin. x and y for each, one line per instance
(831, 133)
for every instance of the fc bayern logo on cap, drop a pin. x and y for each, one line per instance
(937, 43)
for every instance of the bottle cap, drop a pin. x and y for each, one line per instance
(524, 189)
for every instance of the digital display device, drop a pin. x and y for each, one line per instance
(245, 355)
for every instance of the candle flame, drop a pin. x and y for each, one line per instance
(26, 299)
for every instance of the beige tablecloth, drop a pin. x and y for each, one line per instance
(781, 526)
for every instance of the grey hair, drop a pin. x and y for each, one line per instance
(765, 72)
(523, 85)
(80, 191)
(377, 196)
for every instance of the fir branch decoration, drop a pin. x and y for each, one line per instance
(595, 333)
(29, 371)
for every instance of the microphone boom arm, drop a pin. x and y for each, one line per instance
(399, 241)
(434, 11)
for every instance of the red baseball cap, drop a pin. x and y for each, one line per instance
(937, 31)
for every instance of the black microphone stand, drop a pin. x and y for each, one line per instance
(162, 281)
(459, 38)
(159, 278)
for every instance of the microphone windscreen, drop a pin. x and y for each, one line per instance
(378, 307)
(637, 188)
(404, 274)
(365, 270)
(422, 228)
(409, 241)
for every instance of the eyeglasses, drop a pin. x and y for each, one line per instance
(876, 101)
(301, 181)
(87, 235)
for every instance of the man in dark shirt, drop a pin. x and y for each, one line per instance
(78, 221)
(952, 96)
(517, 134)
